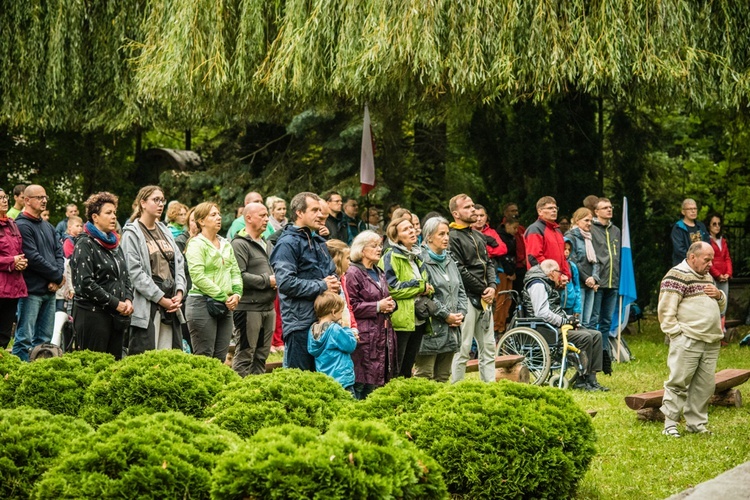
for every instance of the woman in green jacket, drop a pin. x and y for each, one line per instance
(217, 285)
(407, 279)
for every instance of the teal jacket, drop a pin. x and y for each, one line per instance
(403, 286)
(214, 271)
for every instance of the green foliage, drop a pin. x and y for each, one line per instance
(164, 455)
(291, 396)
(156, 381)
(354, 459)
(57, 385)
(8, 363)
(396, 398)
(505, 440)
(31, 442)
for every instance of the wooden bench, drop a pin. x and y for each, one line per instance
(647, 404)
(508, 367)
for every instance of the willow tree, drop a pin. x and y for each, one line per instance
(115, 63)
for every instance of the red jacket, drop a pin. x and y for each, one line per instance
(545, 241)
(498, 251)
(722, 263)
(12, 284)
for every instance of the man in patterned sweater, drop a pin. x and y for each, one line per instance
(689, 309)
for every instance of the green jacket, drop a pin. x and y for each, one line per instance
(403, 286)
(214, 272)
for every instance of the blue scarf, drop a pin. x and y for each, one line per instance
(435, 256)
(107, 240)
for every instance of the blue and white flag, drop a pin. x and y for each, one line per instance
(628, 294)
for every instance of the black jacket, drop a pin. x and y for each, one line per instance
(100, 276)
(469, 250)
(337, 228)
(252, 258)
(508, 261)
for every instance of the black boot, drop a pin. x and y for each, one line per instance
(591, 380)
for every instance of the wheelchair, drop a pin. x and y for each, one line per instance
(549, 356)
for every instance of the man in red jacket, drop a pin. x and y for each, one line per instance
(543, 238)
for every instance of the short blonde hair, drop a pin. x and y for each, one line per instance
(392, 231)
(338, 250)
(174, 210)
(328, 303)
(201, 212)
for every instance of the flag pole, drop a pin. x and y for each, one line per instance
(619, 332)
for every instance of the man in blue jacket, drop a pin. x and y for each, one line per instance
(303, 269)
(43, 276)
(687, 231)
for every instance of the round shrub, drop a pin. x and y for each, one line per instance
(162, 455)
(57, 385)
(505, 440)
(397, 397)
(31, 442)
(285, 396)
(155, 381)
(352, 460)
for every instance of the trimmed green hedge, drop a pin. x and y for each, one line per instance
(30, 442)
(505, 440)
(285, 396)
(57, 385)
(156, 381)
(8, 363)
(352, 460)
(398, 397)
(163, 455)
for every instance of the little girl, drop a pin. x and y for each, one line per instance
(330, 343)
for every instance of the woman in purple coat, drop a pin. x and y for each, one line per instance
(375, 358)
(12, 264)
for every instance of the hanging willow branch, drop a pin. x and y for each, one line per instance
(114, 63)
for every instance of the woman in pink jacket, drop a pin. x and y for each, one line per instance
(721, 268)
(12, 264)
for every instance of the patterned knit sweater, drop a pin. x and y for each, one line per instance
(684, 308)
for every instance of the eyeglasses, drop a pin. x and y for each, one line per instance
(550, 208)
(159, 201)
(690, 208)
(375, 246)
(556, 271)
(713, 223)
(4, 198)
(45, 198)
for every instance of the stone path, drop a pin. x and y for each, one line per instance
(734, 484)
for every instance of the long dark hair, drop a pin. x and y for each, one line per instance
(707, 222)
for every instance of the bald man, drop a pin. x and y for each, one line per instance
(43, 276)
(255, 317)
(239, 222)
(689, 309)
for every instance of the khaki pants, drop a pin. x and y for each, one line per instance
(434, 366)
(691, 383)
(476, 325)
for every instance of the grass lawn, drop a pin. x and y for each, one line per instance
(634, 459)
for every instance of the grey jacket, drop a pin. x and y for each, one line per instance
(257, 294)
(449, 298)
(606, 240)
(137, 259)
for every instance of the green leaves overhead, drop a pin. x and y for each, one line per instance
(115, 63)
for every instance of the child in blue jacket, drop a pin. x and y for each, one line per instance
(571, 296)
(330, 343)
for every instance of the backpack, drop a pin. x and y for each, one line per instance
(43, 351)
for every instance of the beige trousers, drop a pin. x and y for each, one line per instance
(692, 364)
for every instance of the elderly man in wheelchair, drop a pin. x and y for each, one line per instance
(535, 332)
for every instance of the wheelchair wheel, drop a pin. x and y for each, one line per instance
(573, 369)
(531, 344)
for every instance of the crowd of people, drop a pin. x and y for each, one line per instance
(362, 296)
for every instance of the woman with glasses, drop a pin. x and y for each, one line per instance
(157, 273)
(375, 358)
(721, 267)
(217, 285)
(12, 264)
(103, 295)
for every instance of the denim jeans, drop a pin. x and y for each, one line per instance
(36, 320)
(605, 301)
(587, 307)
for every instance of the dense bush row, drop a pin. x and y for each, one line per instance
(287, 434)
(284, 397)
